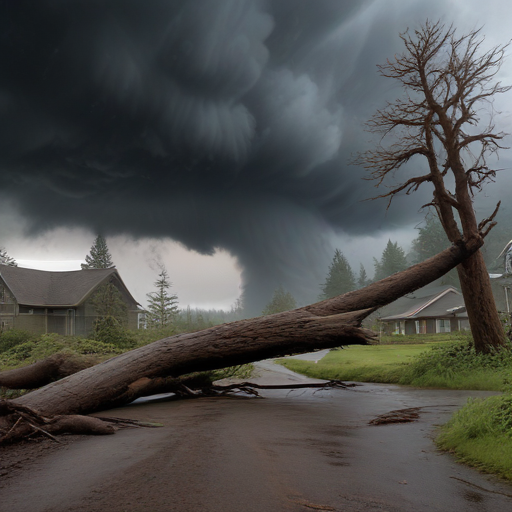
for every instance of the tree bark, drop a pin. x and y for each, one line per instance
(484, 320)
(43, 372)
(326, 324)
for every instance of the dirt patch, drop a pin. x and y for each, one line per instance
(19, 457)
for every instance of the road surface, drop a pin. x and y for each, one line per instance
(300, 451)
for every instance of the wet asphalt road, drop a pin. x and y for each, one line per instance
(293, 451)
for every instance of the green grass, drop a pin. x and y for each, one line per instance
(480, 434)
(441, 364)
(374, 363)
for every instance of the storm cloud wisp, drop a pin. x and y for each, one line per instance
(218, 123)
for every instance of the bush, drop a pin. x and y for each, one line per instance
(48, 344)
(13, 337)
(109, 330)
(442, 366)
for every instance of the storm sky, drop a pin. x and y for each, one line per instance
(218, 126)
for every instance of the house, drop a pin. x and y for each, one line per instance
(41, 302)
(427, 310)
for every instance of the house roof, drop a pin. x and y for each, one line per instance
(33, 287)
(426, 302)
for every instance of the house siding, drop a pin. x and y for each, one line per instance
(65, 320)
(410, 327)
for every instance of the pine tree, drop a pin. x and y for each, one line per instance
(362, 280)
(432, 240)
(162, 307)
(110, 325)
(393, 260)
(99, 256)
(340, 278)
(281, 301)
(5, 259)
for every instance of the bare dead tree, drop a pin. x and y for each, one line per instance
(445, 79)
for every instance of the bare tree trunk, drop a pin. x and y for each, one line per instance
(483, 316)
(326, 324)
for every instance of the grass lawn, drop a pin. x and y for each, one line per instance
(448, 362)
(373, 363)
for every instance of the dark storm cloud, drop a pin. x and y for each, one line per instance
(219, 123)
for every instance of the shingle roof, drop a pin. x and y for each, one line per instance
(427, 302)
(42, 288)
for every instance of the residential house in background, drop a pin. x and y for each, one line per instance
(42, 302)
(426, 311)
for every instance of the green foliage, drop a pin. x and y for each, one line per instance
(362, 280)
(281, 301)
(453, 365)
(340, 278)
(13, 337)
(99, 256)
(48, 344)
(480, 434)
(432, 240)
(393, 260)
(458, 362)
(363, 363)
(145, 336)
(108, 302)
(109, 330)
(162, 307)
(241, 371)
(5, 259)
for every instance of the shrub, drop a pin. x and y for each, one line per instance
(457, 360)
(109, 330)
(13, 337)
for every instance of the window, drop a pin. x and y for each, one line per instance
(141, 321)
(443, 325)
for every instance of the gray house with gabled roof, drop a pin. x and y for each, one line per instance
(426, 311)
(42, 302)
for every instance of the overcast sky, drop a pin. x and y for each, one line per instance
(213, 136)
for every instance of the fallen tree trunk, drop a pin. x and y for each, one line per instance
(326, 324)
(40, 373)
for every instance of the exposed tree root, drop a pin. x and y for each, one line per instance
(18, 421)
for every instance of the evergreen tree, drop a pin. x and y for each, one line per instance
(393, 260)
(340, 278)
(162, 307)
(431, 240)
(99, 256)
(112, 311)
(362, 280)
(5, 259)
(281, 301)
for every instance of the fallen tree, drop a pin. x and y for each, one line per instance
(154, 368)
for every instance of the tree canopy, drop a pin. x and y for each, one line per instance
(281, 301)
(99, 256)
(340, 278)
(432, 240)
(5, 259)
(393, 260)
